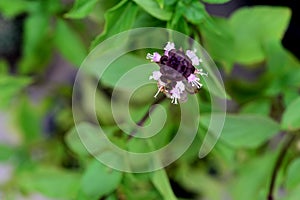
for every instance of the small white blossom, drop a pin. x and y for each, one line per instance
(155, 75)
(154, 58)
(175, 95)
(180, 86)
(194, 58)
(176, 92)
(169, 47)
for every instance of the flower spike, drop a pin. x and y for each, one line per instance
(177, 75)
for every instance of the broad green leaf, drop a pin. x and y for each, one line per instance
(162, 184)
(3, 67)
(213, 82)
(289, 95)
(245, 131)
(219, 41)
(69, 44)
(50, 181)
(29, 121)
(257, 107)
(143, 190)
(197, 181)
(102, 102)
(81, 133)
(292, 194)
(81, 9)
(194, 12)
(178, 22)
(10, 86)
(254, 25)
(37, 44)
(99, 180)
(160, 3)
(154, 9)
(283, 68)
(216, 1)
(6, 152)
(242, 37)
(291, 117)
(13, 8)
(119, 67)
(169, 2)
(85, 133)
(293, 176)
(144, 19)
(119, 18)
(252, 178)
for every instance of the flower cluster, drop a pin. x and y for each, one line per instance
(177, 75)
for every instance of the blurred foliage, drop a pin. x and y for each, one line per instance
(47, 157)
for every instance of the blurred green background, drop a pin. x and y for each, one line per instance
(42, 44)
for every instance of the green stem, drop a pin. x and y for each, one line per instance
(278, 164)
(142, 121)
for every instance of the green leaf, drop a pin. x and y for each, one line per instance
(292, 194)
(252, 178)
(154, 9)
(119, 67)
(87, 134)
(293, 176)
(261, 107)
(283, 69)
(35, 53)
(194, 12)
(69, 44)
(196, 180)
(81, 9)
(83, 133)
(99, 180)
(13, 8)
(160, 3)
(242, 37)
(119, 18)
(245, 131)
(162, 184)
(143, 190)
(219, 41)
(254, 25)
(10, 86)
(216, 1)
(3, 67)
(178, 22)
(29, 121)
(291, 118)
(102, 102)
(50, 181)
(6, 152)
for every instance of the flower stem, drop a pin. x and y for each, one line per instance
(142, 121)
(278, 163)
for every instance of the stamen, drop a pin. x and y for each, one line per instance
(158, 91)
(194, 80)
(200, 71)
(174, 100)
